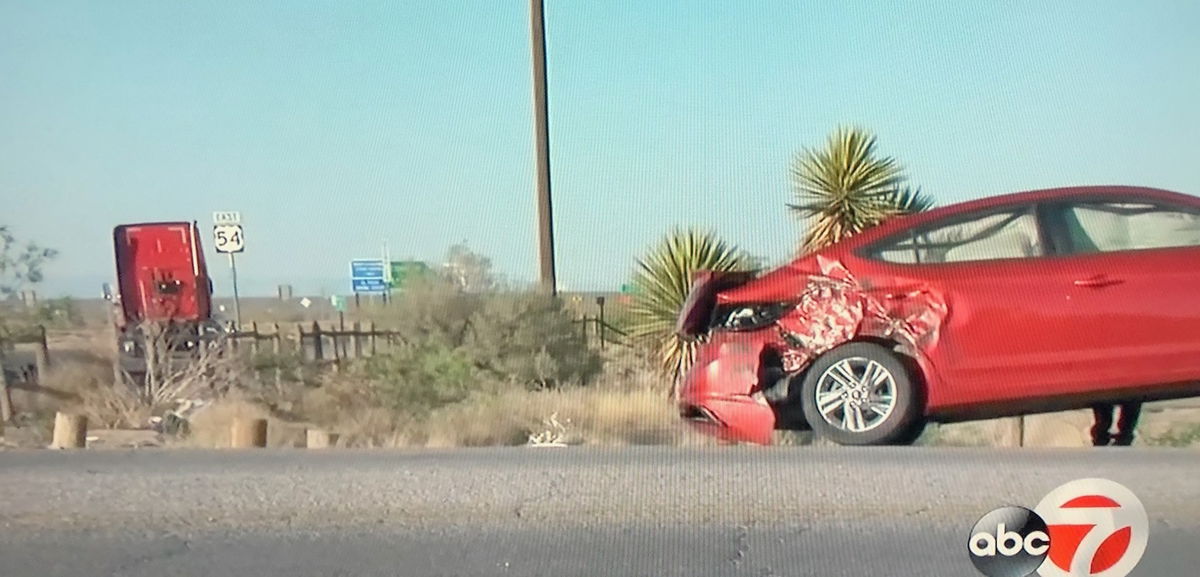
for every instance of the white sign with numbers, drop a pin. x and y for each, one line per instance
(228, 238)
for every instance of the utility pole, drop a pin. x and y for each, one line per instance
(537, 25)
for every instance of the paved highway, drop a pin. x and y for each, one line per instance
(751, 511)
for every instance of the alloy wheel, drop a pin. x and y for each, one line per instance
(855, 394)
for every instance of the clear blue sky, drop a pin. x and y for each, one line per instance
(333, 126)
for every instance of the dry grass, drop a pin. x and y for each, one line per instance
(587, 415)
(627, 406)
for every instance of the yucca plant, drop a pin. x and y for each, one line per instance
(847, 187)
(661, 283)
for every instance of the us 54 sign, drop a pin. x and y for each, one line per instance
(228, 238)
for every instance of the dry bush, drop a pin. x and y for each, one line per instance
(82, 382)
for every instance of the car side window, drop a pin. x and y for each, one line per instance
(992, 236)
(1104, 226)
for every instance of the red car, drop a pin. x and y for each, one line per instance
(1032, 302)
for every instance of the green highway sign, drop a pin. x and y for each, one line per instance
(403, 270)
(338, 302)
(627, 289)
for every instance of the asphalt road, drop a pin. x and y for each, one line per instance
(553, 511)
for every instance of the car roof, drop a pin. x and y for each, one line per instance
(1029, 196)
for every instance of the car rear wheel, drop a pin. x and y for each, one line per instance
(861, 394)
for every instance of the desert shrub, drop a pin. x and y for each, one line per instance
(423, 377)
(530, 339)
(433, 311)
(505, 336)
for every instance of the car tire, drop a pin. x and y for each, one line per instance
(862, 394)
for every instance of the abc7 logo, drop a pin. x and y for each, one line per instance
(1085, 528)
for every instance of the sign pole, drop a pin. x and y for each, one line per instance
(237, 309)
(387, 273)
(227, 236)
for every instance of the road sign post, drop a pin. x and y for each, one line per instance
(228, 238)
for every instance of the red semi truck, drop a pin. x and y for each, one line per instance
(161, 278)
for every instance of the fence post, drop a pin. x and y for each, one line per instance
(318, 348)
(6, 411)
(342, 338)
(247, 433)
(42, 354)
(600, 323)
(358, 346)
(277, 349)
(373, 337)
(70, 431)
(336, 339)
(254, 338)
(319, 439)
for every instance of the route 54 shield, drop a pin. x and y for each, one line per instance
(228, 238)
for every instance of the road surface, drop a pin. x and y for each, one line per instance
(754, 511)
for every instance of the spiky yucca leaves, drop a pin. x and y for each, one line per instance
(847, 187)
(662, 281)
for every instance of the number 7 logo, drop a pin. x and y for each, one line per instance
(1097, 528)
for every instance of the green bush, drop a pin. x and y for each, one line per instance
(459, 343)
(423, 377)
(530, 339)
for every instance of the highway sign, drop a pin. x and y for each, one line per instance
(228, 238)
(227, 217)
(404, 270)
(367, 275)
(338, 302)
(305, 302)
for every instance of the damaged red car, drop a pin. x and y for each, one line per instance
(1032, 302)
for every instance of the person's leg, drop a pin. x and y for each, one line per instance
(1127, 424)
(1102, 417)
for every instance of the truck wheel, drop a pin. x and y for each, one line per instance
(861, 394)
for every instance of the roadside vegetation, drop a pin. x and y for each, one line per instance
(482, 362)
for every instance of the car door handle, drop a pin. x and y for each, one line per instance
(1098, 281)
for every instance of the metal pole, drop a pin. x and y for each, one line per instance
(237, 306)
(537, 25)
